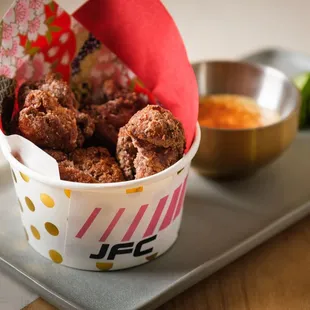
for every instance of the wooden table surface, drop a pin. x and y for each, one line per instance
(274, 276)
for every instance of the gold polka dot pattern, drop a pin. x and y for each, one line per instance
(35, 232)
(24, 177)
(51, 229)
(30, 204)
(134, 190)
(151, 257)
(55, 256)
(67, 192)
(47, 200)
(104, 266)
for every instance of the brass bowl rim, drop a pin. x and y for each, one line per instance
(262, 68)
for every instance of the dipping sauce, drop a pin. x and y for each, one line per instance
(234, 112)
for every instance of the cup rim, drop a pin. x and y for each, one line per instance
(179, 165)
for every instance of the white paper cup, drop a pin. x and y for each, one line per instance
(102, 226)
(2, 159)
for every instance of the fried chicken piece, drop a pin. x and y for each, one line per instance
(158, 127)
(67, 170)
(109, 91)
(113, 115)
(86, 127)
(91, 165)
(52, 83)
(60, 90)
(24, 90)
(69, 173)
(111, 109)
(158, 139)
(126, 154)
(66, 98)
(149, 162)
(97, 162)
(47, 124)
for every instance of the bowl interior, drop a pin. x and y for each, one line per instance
(269, 87)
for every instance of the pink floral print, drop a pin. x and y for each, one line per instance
(37, 5)
(36, 27)
(22, 15)
(24, 69)
(16, 50)
(9, 16)
(40, 66)
(7, 68)
(8, 32)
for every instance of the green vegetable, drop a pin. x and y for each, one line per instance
(302, 82)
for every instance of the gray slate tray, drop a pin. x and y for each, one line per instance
(222, 221)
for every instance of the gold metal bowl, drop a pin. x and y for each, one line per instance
(225, 153)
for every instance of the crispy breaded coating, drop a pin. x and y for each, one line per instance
(86, 127)
(60, 90)
(66, 98)
(98, 163)
(91, 165)
(158, 127)
(47, 124)
(24, 90)
(111, 91)
(104, 116)
(149, 162)
(52, 83)
(126, 154)
(158, 139)
(113, 115)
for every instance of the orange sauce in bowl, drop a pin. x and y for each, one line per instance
(233, 112)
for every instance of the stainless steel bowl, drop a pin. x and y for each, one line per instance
(227, 153)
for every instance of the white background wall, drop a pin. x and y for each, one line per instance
(230, 28)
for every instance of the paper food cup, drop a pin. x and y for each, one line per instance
(102, 226)
(2, 159)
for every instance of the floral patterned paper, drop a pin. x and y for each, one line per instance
(38, 36)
